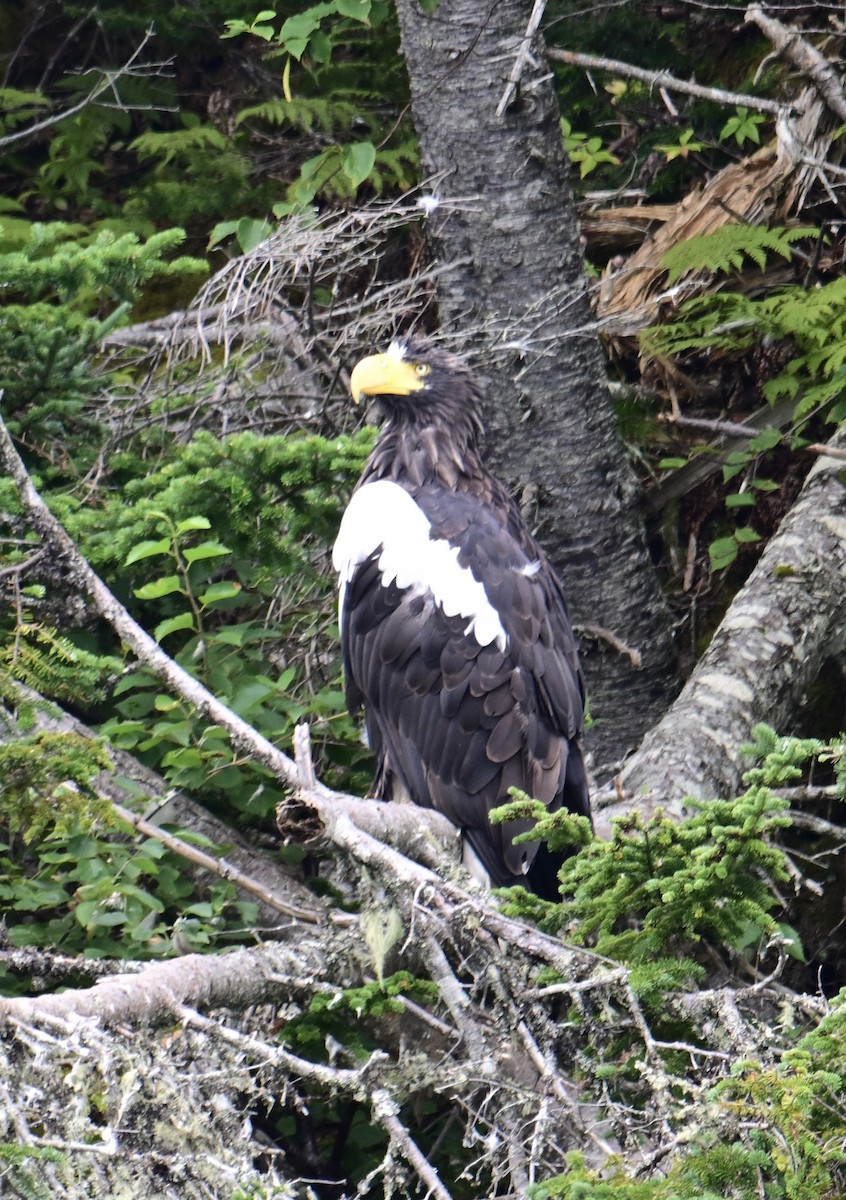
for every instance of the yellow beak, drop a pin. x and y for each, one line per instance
(384, 375)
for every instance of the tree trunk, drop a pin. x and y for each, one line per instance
(789, 617)
(508, 224)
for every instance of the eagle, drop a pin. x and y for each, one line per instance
(456, 640)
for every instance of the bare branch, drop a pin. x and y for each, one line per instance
(663, 79)
(108, 80)
(805, 57)
(522, 54)
(218, 866)
(234, 979)
(385, 1110)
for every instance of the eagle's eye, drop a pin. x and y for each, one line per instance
(422, 369)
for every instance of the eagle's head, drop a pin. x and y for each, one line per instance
(415, 383)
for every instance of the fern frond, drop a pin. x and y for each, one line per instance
(728, 247)
(173, 144)
(301, 113)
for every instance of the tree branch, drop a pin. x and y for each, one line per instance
(218, 866)
(805, 57)
(235, 979)
(108, 80)
(663, 79)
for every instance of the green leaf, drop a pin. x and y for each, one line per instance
(747, 535)
(359, 10)
(172, 624)
(740, 500)
(224, 590)
(147, 550)
(767, 439)
(358, 161)
(722, 553)
(159, 587)
(205, 550)
(190, 523)
(672, 464)
(251, 232)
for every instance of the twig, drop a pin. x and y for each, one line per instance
(219, 866)
(601, 634)
(828, 451)
(385, 1109)
(522, 54)
(663, 79)
(108, 80)
(333, 1077)
(729, 429)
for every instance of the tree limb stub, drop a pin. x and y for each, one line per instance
(786, 620)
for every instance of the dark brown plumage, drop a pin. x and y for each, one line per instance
(456, 639)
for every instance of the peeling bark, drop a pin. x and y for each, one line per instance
(788, 618)
(511, 231)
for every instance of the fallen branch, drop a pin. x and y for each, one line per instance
(236, 979)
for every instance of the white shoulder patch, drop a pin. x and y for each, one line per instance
(383, 514)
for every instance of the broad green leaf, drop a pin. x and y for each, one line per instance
(747, 535)
(251, 232)
(765, 440)
(740, 500)
(205, 550)
(358, 161)
(722, 553)
(224, 590)
(147, 550)
(359, 10)
(193, 523)
(172, 624)
(159, 587)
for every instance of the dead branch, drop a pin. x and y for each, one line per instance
(663, 79)
(235, 979)
(107, 82)
(522, 54)
(805, 57)
(218, 866)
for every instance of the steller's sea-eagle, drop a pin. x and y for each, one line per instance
(455, 632)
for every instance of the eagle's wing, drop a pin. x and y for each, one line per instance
(457, 643)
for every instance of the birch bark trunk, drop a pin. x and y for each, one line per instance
(518, 290)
